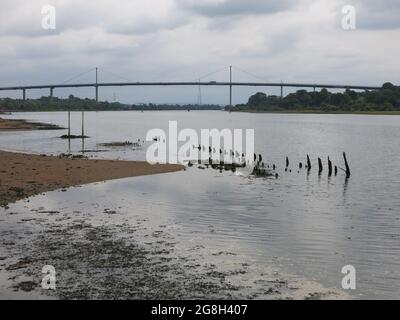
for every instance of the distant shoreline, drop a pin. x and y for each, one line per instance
(20, 125)
(117, 110)
(235, 111)
(386, 113)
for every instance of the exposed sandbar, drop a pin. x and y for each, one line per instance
(24, 175)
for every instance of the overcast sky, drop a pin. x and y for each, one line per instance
(182, 40)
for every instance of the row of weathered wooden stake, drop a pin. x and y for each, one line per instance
(321, 167)
(261, 169)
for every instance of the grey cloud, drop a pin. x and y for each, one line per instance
(145, 26)
(20, 18)
(236, 7)
(383, 14)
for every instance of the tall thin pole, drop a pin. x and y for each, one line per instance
(230, 85)
(69, 123)
(69, 131)
(83, 131)
(83, 124)
(97, 87)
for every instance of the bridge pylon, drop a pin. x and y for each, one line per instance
(230, 86)
(97, 86)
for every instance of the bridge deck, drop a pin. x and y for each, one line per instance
(213, 83)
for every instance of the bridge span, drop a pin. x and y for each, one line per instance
(96, 84)
(229, 84)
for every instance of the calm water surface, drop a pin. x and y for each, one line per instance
(309, 225)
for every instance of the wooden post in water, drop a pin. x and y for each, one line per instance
(320, 167)
(83, 124)
(83, 132)
(287, 162)
(329, 167)
(308, 163)
(347, 165)
(69, 132)
(69, 124)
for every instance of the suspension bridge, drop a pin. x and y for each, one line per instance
(199, 82)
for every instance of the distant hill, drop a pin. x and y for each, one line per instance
(78, 104)
(385, 100)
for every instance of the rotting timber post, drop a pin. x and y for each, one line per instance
(320, 167)
(69, 123)
(348, 173)
(329, 167)
(308, 162)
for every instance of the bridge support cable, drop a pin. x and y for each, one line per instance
(211, 73)
(199, 94)
(251, 74)
(256, 77)
(114, 74)
(78, 76)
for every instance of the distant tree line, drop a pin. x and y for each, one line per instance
(152, 106)
(386, 99)
(77, 104)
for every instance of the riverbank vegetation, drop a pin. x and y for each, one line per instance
(386, 100)
(73, 103)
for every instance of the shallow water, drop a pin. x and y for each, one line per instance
(305, 225)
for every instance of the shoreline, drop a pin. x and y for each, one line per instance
(23, 175)
(369, 113)
(7, 125)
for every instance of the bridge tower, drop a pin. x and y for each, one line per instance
(199, 96)
(97, 86)
(230, 86)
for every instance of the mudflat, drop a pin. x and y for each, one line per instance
(20, 125)
(24, 175)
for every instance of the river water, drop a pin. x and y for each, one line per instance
(306, 225)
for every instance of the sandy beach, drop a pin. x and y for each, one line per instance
(24, 175)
